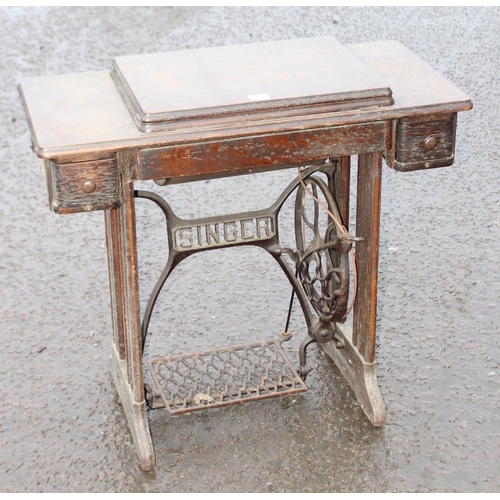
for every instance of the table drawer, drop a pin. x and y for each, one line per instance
(424, 143)
(83, 186)
(257, 153)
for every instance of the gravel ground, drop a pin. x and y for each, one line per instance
(62, 428)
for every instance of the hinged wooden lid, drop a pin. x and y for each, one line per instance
(261, 81)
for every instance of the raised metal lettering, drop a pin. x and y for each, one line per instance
(186, 238)
(212, 233)
(224, 233)
(245, 230)
(263, 226)
(230, 233)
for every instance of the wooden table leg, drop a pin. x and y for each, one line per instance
(341, 187)
(356, 360)
(126, 360)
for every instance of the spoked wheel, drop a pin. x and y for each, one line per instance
(323, 264)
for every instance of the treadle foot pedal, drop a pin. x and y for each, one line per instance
(225, 376)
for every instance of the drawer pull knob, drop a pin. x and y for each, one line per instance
(89, 187)
(430, 142)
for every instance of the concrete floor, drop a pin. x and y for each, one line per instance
(62, 428)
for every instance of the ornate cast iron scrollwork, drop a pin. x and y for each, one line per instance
(323, 258)
(321, 277)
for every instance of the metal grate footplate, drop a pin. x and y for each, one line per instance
(225, 376)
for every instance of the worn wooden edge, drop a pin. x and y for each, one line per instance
(184, 72)
(35, 146)
(191, 136)
(255, 114)
(423, 165)
(261, 152)
(136, 139)
(83, 208)
(215, 117)
(127, 95)
(135, 413)
(359, 374)
(389, 59)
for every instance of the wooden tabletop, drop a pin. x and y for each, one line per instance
(84, 113)
(167, 90)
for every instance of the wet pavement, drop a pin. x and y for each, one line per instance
(62, 428)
